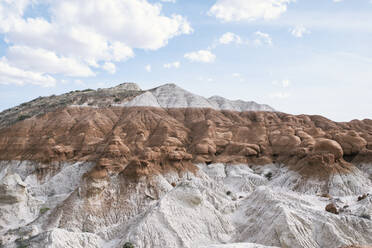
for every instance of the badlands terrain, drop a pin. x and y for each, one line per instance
(125, 167)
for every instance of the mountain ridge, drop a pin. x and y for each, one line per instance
(126, 94)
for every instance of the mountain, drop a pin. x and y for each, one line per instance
(159, 168)
(126, 94)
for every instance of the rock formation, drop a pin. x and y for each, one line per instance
(167, 168)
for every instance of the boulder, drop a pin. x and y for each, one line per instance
(351, 142)
(332, 208)
(330, 146)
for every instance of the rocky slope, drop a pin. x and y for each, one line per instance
(126, 94)
(158, 176)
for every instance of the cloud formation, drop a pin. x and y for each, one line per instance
(109, 67)
(172, 65)
(280, 95)
(84, 35)
(229, 37)
(299, 31)
(45, 61)
(13, 75)
(248, 10)
(262, 39)
(203, 56)
(148, 68)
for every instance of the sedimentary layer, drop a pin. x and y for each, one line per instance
(158, 139)
(103, 176)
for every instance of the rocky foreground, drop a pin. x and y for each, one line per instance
(162, 168)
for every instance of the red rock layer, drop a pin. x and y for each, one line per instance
(151, 140)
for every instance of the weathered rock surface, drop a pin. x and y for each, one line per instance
(102, 168)
(112, 137)
(126, 94)
(235, 205)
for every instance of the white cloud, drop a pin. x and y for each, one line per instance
(262, 38)
(13, 75)
(109, 67)
(86, 33)
(148, 68)
(172, 65)
(250, 10)
(136, 23)
(169, 1)
(208, 79)
(203, 56)
(299, 31)
(229, 37)
(281, 95)
(286, 83)
(238, 76)
(44, 61)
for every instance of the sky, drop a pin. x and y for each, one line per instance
(298, 56)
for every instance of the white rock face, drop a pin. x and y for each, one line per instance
(172, 96)
(295, 220)
(17, 206)
(182, 218)
(222, 206)
(25, 201)
(221, 103)
(147, 99)
(238, 245)
(59, 238)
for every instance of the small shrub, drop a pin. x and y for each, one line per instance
(269, 175)
(23, 117)
(44, 210)
(366, 216)
(228, 192)
(20, 243)
(326, 195)
(173, 184)
(128, 245)
(362, 197)
(117, 99)
(18, 240)
(87, 90)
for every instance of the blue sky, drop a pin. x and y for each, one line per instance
(311, 57)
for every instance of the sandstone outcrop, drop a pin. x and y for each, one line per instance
(112, 137)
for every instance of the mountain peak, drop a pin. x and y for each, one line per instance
(167, 86)
(128, 86)
(126, 95)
